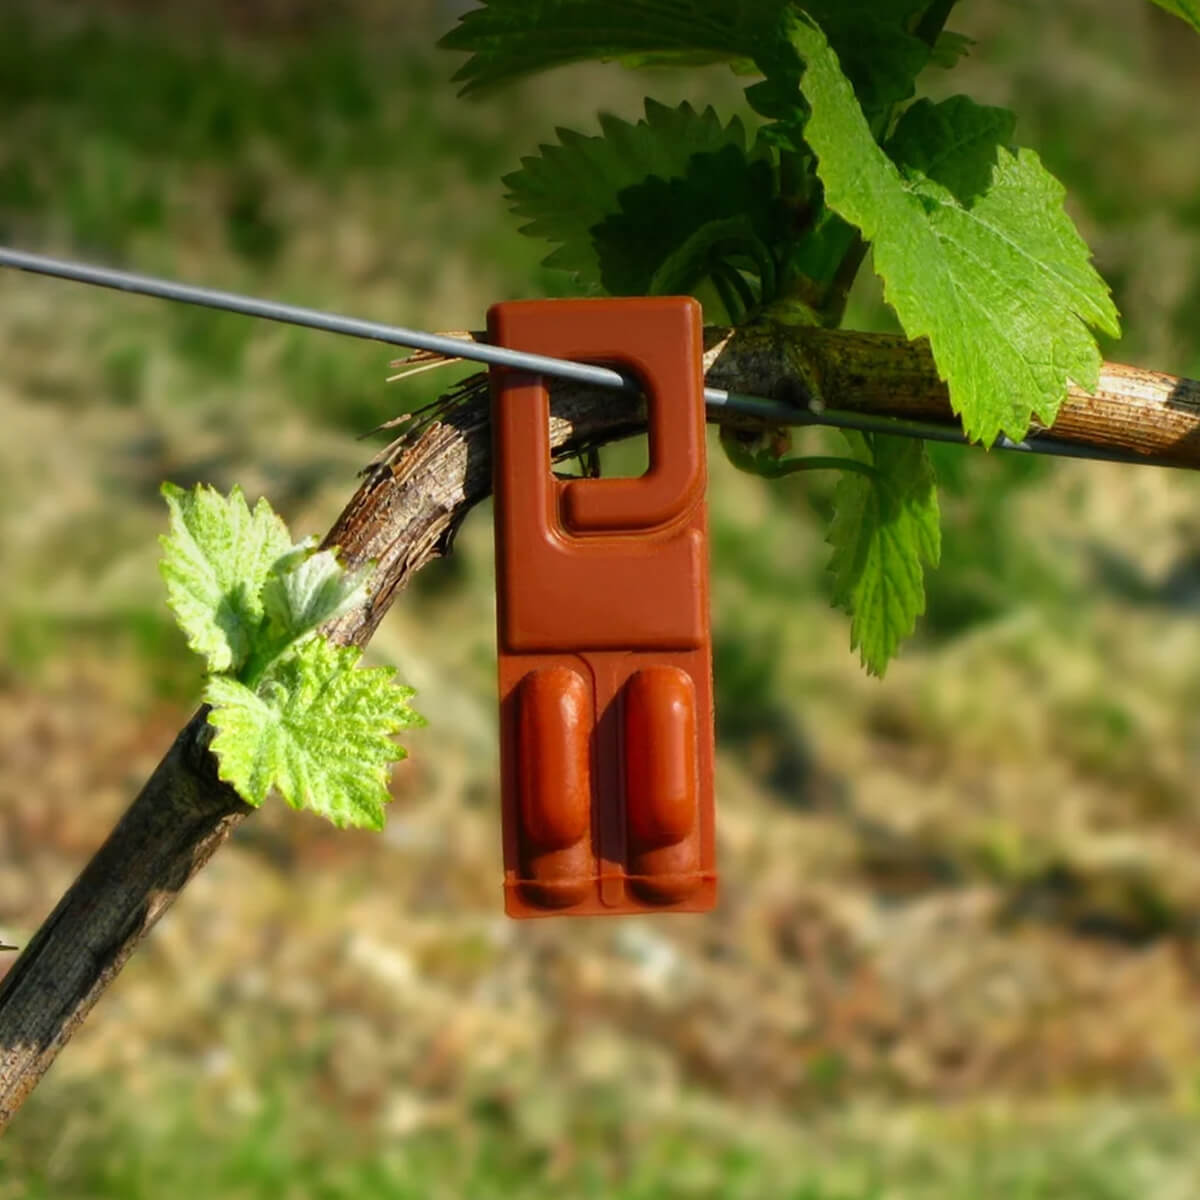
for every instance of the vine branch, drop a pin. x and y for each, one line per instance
(412, 500)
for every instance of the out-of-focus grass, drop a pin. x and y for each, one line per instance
(325, 161)
(1101, 1151)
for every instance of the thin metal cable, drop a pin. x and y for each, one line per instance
(586, 373)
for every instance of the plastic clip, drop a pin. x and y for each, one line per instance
(606, 714)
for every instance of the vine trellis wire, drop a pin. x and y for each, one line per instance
(717, 399)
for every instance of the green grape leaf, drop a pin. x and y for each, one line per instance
(569, 188)
(871, 39)
(667, 235)
(307, 591)
(739, 65)
(1186, 10)
(949, 48)
(885, 529)
(954, 143)
(508, 39)
(317, 729)
(1003, 288)
(719, 245)
(511, 38)
(878, 55)
(217, 556)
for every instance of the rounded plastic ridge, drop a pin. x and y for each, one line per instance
(554, 722)
(660, 756)
(662, 783)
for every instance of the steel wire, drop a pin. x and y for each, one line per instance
(716, 399)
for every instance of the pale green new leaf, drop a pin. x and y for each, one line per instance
(313, 589)
(1187, 10)
(1002, 287)
(216, 558)
(568, 189)
(885, 530)
(317, 730)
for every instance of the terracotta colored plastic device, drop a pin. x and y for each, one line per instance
(606, 716)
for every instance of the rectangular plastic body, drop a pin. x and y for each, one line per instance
(605, 658)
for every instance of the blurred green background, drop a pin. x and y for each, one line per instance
(956, 953)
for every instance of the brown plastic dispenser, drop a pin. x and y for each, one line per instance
(606, 716)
